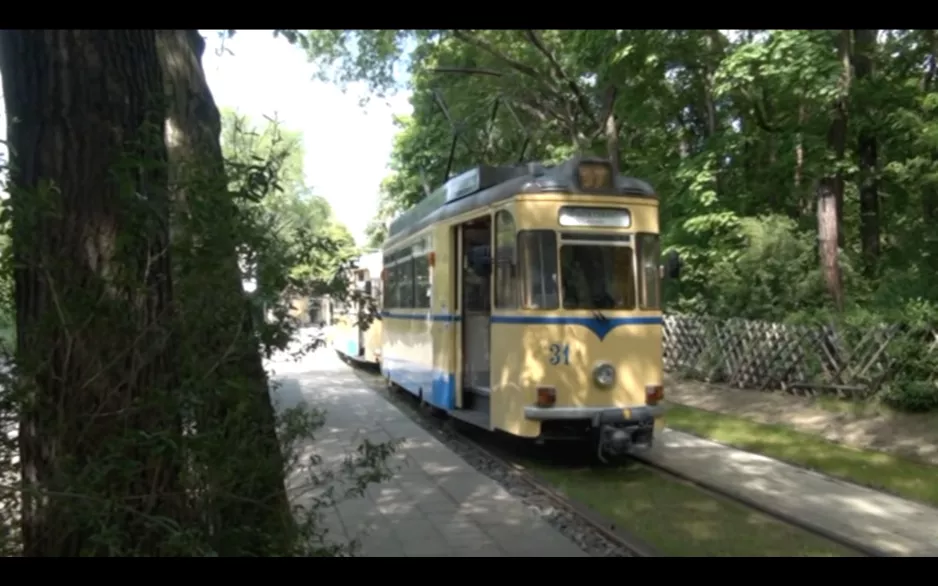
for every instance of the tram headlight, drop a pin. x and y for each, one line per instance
(604, 375)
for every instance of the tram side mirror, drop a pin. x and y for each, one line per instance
(671, 269)
(368, 288)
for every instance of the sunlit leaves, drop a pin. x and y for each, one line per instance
(303, 247)
(357, 55)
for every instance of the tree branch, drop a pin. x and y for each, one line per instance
(561, 75)
(560, 112)
(467, 71)
(932, 68)
(454, 126)
(513, 63)
(534, 111)
(609, 102)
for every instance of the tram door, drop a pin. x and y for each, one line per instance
(364, 284)
(476, 275)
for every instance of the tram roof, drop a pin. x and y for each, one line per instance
(485, 185)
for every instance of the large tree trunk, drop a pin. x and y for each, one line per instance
(243, 459)
(93, 292)
(866, 152)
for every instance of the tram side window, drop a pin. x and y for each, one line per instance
(406, 287)
(506, 276)
(538, 254)
(649, 259)
(421, 282)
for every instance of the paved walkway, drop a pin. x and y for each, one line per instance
(888, 523)
(437, 505)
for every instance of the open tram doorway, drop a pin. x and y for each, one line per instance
(475, 279)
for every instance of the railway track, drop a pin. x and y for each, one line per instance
(490, 447)
(637, 547)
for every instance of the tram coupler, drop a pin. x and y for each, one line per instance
(616, 441)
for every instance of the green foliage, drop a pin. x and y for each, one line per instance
(763, 267)
(731, 127)
(300, 249)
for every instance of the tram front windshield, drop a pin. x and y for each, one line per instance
(597, 276)
(594, 275)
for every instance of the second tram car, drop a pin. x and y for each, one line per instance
(357, 335)
(527, 300)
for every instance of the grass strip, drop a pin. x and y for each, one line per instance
(877, 470)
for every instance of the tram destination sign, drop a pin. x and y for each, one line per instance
(594, 217)
(464, 184)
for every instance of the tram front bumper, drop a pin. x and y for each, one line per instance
(618, 430)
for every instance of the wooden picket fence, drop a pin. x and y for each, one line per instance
(848, 362)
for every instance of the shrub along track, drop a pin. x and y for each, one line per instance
(666, 515)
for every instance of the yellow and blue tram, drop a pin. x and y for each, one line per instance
(527, 299)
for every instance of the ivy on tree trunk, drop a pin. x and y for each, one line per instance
(245, 467)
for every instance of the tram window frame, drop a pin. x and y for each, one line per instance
(630, 285)
(546, 241)
(393, 292)
(421, 282)
(383, 279)
(644, 241)
(507, 291)
(390, 290)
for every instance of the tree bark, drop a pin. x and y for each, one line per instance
(828, 228)
(245, 465)
(612, 143)
(93, 292)
(830, 189)
(866, 153)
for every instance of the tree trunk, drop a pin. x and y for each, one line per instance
(799, 149)
(801, 206)
(93, 292)
(929, 189)
(830, 189)
(612, 142)
(866, 154)
(837, 132)
(243, 458)
(828, 228)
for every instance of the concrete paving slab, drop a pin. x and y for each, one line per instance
(436, 505)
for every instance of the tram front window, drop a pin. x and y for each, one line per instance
(597, 276)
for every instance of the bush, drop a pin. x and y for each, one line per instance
(911, 396)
